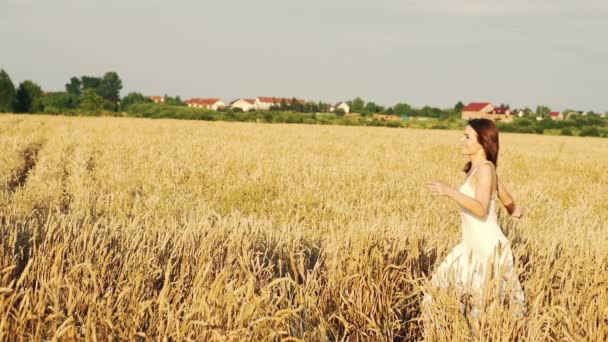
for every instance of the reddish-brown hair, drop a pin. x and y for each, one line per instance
(487, 137)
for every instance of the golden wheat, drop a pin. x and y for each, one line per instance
(116, 228)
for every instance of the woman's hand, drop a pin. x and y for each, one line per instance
(516, 212)
(437, 188)
(513, 210)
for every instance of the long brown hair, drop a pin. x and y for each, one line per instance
(487, 137)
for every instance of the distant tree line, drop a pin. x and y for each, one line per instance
(92, 95)
(358, 105)
(86, 93)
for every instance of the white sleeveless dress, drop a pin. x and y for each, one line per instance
(483, 255)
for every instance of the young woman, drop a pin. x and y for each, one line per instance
(484, 253)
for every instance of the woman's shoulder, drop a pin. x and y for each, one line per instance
(487, 168)
(487, 165)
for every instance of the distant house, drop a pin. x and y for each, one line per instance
(326, 107)
(264, 102)
(556, 115)
(502, 110)
(386, 117)
(502, 113)
(340, 105)
(243, 104)
(212, 104)
(476, 110)
(157, 99)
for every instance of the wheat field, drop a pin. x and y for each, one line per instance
(137, 229)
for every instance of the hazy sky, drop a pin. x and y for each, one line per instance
(423, 52)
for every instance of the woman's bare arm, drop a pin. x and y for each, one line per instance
(507, 200)
(478, 205)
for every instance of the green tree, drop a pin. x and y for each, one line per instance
(74, 87)
(308, 107)
(458, 107)
(284, 105)
(430, 112)
(59, 102)
(296, 105)
(133, 98)
(403, 109)
(89, 82)
(543, 111)
(91, 101)
(357, 105)
(7, 92)
(28, 98)
(569, 113)
(528, 112)
(174, 101)
(371, 108)
(110, 86)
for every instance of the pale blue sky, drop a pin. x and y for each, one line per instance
(433, 52)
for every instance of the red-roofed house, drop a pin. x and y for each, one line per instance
(157, 99)
(503, 110)
(212, 104)
(475, 110)
(556, 115)
(243, 104)
(264, 102)
(502, 113)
